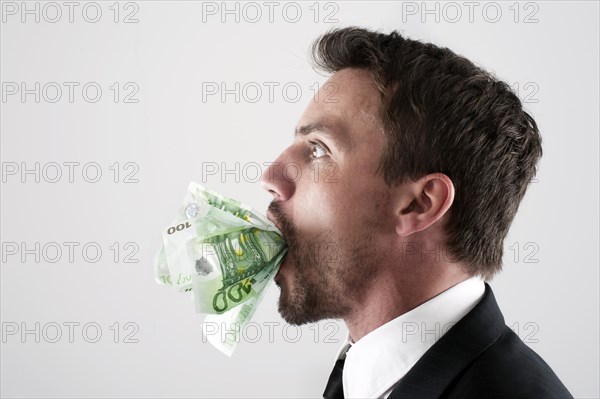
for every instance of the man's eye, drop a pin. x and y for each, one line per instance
(317, 150)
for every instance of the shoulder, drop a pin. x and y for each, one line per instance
(510, 369)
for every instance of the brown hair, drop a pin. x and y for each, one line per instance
(442, 113)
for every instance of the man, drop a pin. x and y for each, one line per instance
(408, 169)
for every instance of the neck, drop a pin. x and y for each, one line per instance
(391, 295)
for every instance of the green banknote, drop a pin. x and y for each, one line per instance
(223, 253)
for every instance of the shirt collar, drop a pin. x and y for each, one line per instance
(377, 361)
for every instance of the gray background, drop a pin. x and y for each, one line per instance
(548, 291)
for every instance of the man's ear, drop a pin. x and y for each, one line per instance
(423, 202)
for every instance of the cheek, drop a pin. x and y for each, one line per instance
(342, 204)
(316, 207)
(360, 208)
(330, 212)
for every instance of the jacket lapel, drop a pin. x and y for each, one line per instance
(442, 363)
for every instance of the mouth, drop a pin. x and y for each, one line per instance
(273, 219)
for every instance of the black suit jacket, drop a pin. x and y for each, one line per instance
(480, 357)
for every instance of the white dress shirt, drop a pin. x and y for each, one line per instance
(377, 362)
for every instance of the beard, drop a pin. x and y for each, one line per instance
(326, 273)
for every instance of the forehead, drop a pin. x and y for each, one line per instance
(348, 103)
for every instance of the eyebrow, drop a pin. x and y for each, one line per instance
(321, 127)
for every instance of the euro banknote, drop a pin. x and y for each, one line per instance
(224, 254)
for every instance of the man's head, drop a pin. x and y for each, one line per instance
(409, 166)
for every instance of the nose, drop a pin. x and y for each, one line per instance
(275, 180)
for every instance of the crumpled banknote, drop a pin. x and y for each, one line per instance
(224, 254)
